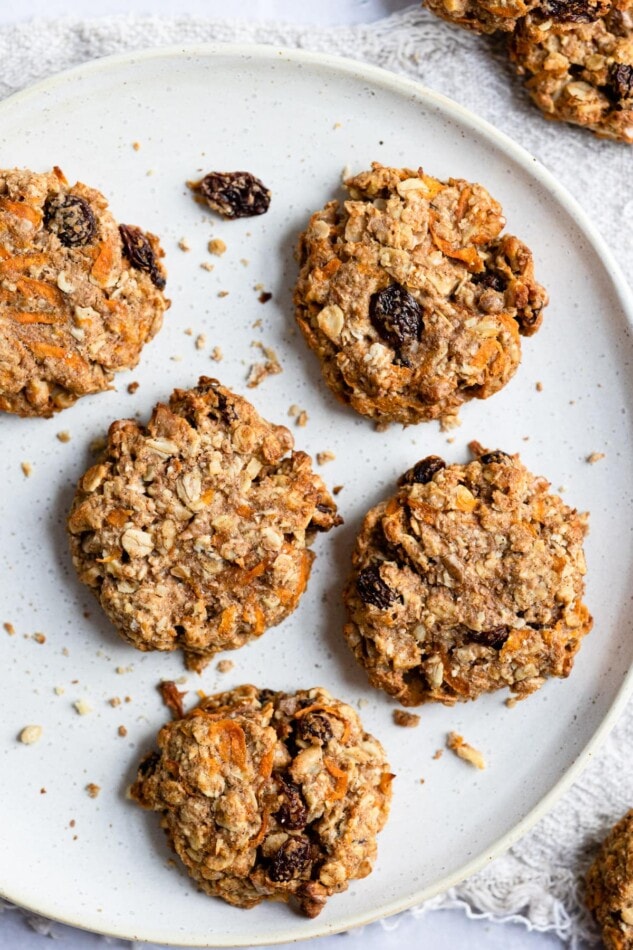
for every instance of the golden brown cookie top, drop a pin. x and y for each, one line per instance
(609, 886)
(79, 295)
(470, 578)
(269, 795)
(193, 531)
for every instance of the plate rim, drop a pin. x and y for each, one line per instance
(400, 84)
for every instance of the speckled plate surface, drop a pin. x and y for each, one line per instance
(295, 120)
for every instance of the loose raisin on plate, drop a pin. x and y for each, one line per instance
(398, 318)
(620, 81)
(234, 194)
(292, 813)
(497, 456)
(494, 638)
(290, 860)
(140, 253)
(423, 471)
(373, 590)
(71, 218)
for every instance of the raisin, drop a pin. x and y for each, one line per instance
(226, 409)
(292, 813)
(493, 281)
(373, 590)
(398, 318)
(423, 471)
(290, 860)
(234, 194)
(488, 458)
(313, 728)
(573, 11)
(71, 218)
(140, 253)
(620, 81)
(494, 638)
(149, 764)
(266, 696)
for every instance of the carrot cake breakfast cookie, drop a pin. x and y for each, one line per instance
(580, 70)
(194, 531)
(490, 16)
(268, 795)
(469, 579)
(609, 886)
(79, 294)
(411, 297)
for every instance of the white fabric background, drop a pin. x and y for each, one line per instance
(536, 882)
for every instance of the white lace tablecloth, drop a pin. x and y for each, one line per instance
(536, 882)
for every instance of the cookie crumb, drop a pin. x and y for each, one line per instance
(406, 719)
(337, 125)
(225, 666)
(184, 244)
(381, 426)
(27, 468)
(132, 387)
(302, 418)
(188, 331)
(438, 754)
(136, 146)
(9, 628)
(115, 701)
(216, 246)
(59, 690)
(217, 354)
(176, 359)
(93, 790)
(82, 707)
(265, 296)
(244, 261)
(257, 324)
(511, 702)
(539, 386)
(172, 698)
(201, 341)
(223, 293)
(467, 752)
(64, 435)
(337, 489)
(208, 266)
(450, 422)
(39, 637)
(595, 457)
(122, 731)
(30, 735)
(293, 410)
(260, 371)
(324, 457)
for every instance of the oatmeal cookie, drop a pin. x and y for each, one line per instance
(267, 795)
(469, 579)
(609, 886)
(581, 71)
(79, 295)
(411, 297)
(193, 531)
(490, 16)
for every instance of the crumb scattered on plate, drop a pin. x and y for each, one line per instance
(132, 387)
(201, 341)
(27, 468)
(93, 790)
(260, 371)
(30, 735)
(225, 666)
(217, 354)
(324, 457)
(172, 698)
(82, 707)
(216, 246)
(302, 418)
(64, 435)
(595, 457)
(467, 752)
(184, 244)
(403, 718)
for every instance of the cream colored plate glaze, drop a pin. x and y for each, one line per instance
(295, 120)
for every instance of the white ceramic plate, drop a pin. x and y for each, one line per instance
(295, 120)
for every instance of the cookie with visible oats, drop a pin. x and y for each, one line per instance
(469, 579)
(581, 70)
(79, 294)
(609, 886)
(194, 530)
(269, 796)
(411, 297)
(482, 16)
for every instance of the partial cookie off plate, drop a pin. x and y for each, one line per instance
(294, 120)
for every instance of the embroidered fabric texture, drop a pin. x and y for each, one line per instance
(537, 881)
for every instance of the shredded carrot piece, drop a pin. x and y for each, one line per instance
(468, 255)
(118, 516)
(232, 741)
(259, 626)
(331, 267)
(263, 828)
(227, 620)
(245, 577)
(485, 354)
(328, 709)
(340, 786)
(30, 316)
(103, 263)
(289, 598)
(59, 174)
(13, 266)
(49, 351)
(4, 254)
(20, 209)
(266, 764)
(109, 558)
(39, 288)
(207, 496)
(462, 204)
(244, 511)
(385, 781)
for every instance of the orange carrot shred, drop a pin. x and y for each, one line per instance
(340, 786)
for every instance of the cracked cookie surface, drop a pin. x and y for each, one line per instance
(194, 531)
(609, 886)
(412, 298)
(75, 307)
(581, 71)
(269, 795)
(469, 579)
(482, 16)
